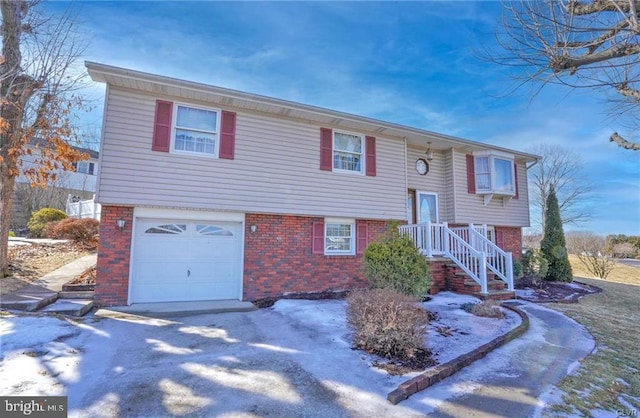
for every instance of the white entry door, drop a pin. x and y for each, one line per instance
(176, 260)
(427, 207)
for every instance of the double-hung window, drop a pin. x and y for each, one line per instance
(196, 130)
(494, 173)
(339, 236)
(348, 150)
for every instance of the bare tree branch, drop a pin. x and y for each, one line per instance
(591, 44)
(624, 143)
(36, 99)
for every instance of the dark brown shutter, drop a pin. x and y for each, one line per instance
(326, 149)
(318, 238)
(471, 174)
(228, 135)
(361, 237)
(371, 155)
(162, 126)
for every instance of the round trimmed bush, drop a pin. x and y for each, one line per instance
(41, 217)
(394, 262)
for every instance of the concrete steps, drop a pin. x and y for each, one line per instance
(72, 307)
(38, 299)
(29, 299)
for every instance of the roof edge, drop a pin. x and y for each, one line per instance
(99, 72)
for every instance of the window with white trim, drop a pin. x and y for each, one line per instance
(339, 236)
(494, 173)
(348, 152)
(195, 130)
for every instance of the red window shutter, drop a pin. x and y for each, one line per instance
(162, 126)
(500, 238)
(361, 238)
(371, 155)
(326, 149)
(471, 174)
(318, 238)
(228, 135)
(515, 179)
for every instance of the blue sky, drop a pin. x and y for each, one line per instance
(413, 63)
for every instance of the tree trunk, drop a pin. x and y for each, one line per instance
(6, 205)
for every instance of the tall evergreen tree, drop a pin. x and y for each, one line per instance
(553, 245)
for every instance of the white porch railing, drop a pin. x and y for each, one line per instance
(468, 247)
(83, 208)
(499, 261)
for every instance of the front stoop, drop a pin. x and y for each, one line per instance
(456, 280)
(496, 295)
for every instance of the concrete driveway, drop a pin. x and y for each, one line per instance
(264, 363)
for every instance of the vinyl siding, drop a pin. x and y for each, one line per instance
(434, 181)
(275, 170)
(470, 208)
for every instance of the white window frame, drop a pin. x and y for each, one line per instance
(340, 221)
(492, 156)
(363, 153)
(175, 127)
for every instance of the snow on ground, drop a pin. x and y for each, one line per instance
(294, 355)
(525, 293)
(467, 331)
(455, 332)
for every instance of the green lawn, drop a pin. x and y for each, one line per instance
(610, 377)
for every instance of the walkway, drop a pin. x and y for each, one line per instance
(514, 380)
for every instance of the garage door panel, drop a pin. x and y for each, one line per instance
(186, 260)
(150, 249)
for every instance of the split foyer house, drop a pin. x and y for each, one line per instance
(209, 193)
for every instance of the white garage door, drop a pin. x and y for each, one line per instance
(177, 260)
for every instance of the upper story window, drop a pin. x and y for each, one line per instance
(196, 130)
(348, 152)
(494, 173)
(85, 167)
(192, 130)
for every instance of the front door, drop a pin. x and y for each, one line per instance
(427, 207)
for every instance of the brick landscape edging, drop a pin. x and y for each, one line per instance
(439, 373)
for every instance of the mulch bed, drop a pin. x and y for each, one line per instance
(82, 282)
(554, 292)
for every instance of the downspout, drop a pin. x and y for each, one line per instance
(406, 180)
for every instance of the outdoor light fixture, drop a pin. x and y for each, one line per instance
(429, 153)
(120, 223)
(253, 228)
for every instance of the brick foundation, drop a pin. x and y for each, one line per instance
(278, 258)
(114, 250)
(511, 240)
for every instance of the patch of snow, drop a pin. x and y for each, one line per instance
(525, 293)
(468, 331)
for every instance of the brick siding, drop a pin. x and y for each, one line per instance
(278, 258)
(512, 237)
(114, 250)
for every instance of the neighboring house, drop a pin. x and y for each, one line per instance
(209, 193)
(80, 183)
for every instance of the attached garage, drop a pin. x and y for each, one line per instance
(178, 260)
